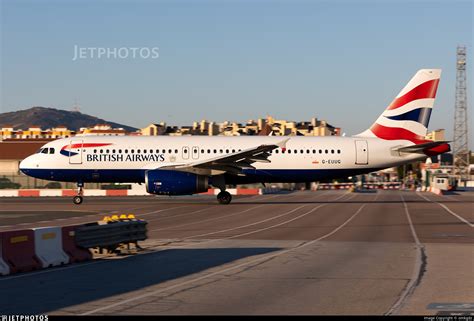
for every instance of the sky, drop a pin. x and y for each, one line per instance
(341, 61)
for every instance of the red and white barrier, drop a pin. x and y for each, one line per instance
(18, 251)
(4, 268)
(115, 192)
(49, 246)
(235, 191)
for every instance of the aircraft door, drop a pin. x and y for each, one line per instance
(185, 152)
(195, 152)
(75, 152)
(362, 152)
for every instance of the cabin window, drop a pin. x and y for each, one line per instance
(227, 151)
(132, 151)
(107, 151)
(113, 151)
(320, 151)
(208, 151)
(221, 151)
(138, 151)
(170, 151)
(120, 151)
(332, 151)
(157, 151)
(101, 151)
(233, 151)
(176, 151)
(326, 151)
(289, 151)
(276, 151)
(202, 151)
(314, 151)
(215, 151)
(185, 150)
(338, 151)
(307, 151)
(126, 151)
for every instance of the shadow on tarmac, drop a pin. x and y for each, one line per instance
(60, 288)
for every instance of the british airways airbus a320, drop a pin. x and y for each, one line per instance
(188, 165)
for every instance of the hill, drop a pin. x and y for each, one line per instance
(50, 117)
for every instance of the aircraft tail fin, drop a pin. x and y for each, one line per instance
(407, 117)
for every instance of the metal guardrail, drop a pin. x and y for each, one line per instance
(111, 233)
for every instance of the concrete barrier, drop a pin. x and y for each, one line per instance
(28, 192)
(76, 254)
(51, 192)
(49, 246)
(4, 268)
(18, 251)
(98, 192)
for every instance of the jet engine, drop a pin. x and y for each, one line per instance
(169, 182)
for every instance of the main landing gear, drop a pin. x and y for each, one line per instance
(78, 198)
(224, 197)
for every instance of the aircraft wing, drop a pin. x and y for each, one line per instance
(420, 147)
(230, 163)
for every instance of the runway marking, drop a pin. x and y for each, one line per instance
(53, 269)
(247, 225)
(216, 218)
(418, 269)
(208, 220)
(262, 258)
(183, 214)
(448, 210)
(283, 223)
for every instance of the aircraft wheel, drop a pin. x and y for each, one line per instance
(77, 200)
(224, 197)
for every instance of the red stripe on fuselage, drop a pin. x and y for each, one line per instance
(425, 90)
(84, 145)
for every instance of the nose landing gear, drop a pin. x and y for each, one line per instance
(78, 198)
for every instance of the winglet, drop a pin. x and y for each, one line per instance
(282, 144)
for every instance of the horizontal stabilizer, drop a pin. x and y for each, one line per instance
(420, 148)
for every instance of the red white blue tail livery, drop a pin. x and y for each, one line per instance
(408, 115)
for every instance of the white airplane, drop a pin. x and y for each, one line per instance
(190, 164)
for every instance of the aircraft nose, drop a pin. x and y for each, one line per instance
(26, 164)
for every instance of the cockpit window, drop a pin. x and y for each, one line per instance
(45, 151)
(51, 150)
(39, 150)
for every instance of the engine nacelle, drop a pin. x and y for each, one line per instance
(168, 182)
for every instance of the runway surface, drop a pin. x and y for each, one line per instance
(324, 252)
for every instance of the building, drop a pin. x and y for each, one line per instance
(436, 135)
(276, 127)
(154, 129)
(35, 132)
(102, 130)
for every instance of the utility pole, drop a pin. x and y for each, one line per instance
(460, 141)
